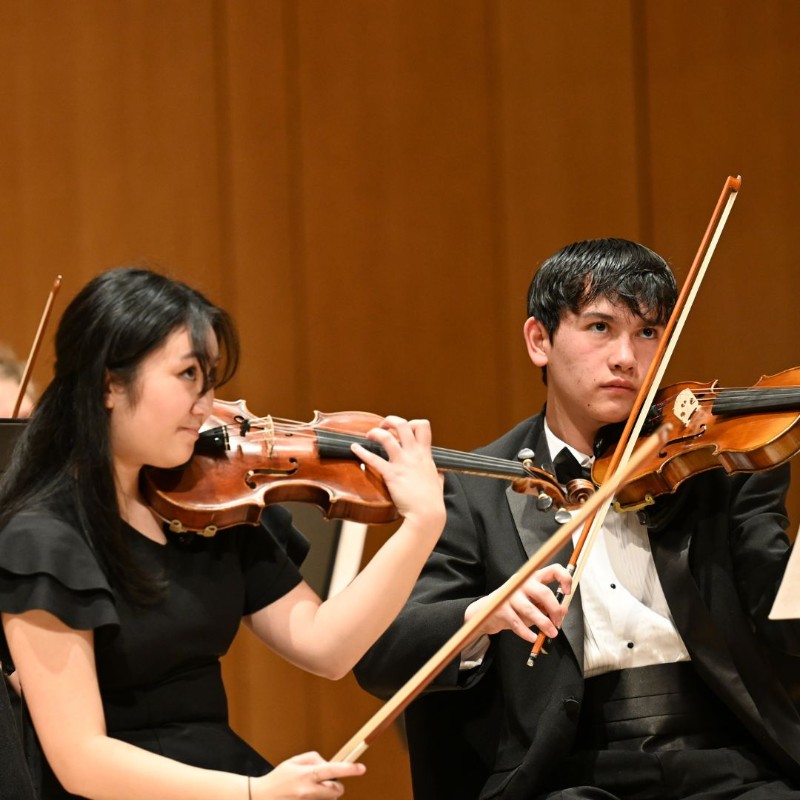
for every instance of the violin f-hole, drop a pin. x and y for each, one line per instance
(251, 478)
(701, 430)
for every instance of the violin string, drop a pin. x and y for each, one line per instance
(753, 397)
(455, 457)
(452, 458)
(742, 394)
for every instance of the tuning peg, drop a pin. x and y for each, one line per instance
(562, 516)
(543, 501)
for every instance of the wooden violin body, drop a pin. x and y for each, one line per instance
(741, 430)
(243, 463)
(244, 466)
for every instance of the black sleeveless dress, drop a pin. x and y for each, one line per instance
(158, 666)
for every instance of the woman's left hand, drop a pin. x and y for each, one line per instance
(410, 474)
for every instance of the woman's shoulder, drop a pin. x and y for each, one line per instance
(44, 540)
(47, 563)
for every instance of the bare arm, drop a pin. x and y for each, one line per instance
(329, 637)
(57, 671)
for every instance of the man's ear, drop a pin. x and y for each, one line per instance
(537, 340)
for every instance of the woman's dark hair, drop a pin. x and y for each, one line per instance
(618, 270)
(114, 322)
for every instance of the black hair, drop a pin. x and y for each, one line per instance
(620, 271)
(113, 323)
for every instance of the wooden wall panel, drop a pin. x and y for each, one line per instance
(567, 153)
(109, 148)
(368, 188)
(396, 198)
(262, 251)
(722, 109)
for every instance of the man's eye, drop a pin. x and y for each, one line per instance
(649, 333)
(600, 327)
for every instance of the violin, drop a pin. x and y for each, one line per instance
(242, 463)
(741, 430)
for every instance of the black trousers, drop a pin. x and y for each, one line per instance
(658, 733)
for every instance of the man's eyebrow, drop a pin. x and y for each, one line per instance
(596, 315)
(652, 322)
(606, 317)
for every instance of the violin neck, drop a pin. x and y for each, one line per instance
(743, 401)
(332, 444)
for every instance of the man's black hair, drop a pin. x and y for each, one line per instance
(620, 271)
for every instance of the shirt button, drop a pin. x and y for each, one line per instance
(613, 585)
(572, 707)
(630, 645)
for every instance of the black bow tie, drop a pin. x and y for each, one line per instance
(567, 468)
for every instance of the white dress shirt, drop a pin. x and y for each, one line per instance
(626, 619)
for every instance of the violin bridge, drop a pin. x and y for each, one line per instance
(685, 405)
(269, 432)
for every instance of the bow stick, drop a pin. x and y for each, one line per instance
(450, 649)
(37, 340)
(651, 383)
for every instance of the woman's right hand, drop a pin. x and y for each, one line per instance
(306, 776)
(534, 603)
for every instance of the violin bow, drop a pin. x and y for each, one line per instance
(37, 341)
(651, 383)
(450, 649)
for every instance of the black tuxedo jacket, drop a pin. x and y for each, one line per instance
(720, 549)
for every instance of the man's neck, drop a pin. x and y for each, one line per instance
(570, 433)
(555, 444)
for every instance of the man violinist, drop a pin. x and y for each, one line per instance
(667, 679)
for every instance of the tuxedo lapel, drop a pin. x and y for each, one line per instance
(535, 527)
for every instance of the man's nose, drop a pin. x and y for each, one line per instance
(623, 355)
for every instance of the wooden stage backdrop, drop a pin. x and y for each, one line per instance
(368, 185)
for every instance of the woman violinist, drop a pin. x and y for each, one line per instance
(116, 627)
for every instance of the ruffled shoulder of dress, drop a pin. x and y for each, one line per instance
(47, 564)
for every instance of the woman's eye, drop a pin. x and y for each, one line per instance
(190, 373)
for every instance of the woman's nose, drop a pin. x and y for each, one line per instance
(204, 403)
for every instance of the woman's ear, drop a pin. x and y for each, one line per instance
(110, 391)
(537, 340)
